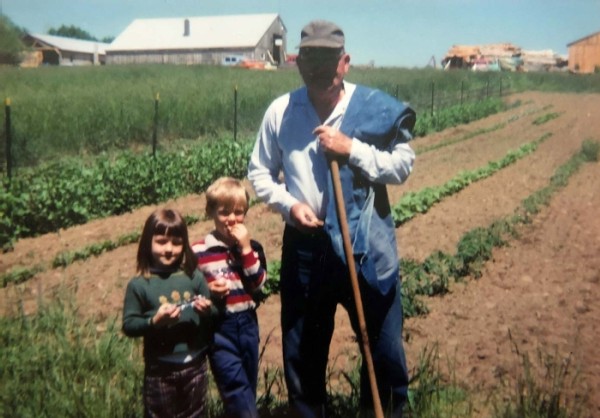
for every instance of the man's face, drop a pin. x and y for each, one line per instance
(322, 69)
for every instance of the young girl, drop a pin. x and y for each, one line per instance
(168, 305)
(235, 268)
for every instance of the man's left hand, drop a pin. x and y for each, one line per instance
(333, 141)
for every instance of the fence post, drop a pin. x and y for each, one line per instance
(8, 139)
(487, 88)
(462, 91)
(432, 95)
(155, 129)
(235, 101)
(500, 87)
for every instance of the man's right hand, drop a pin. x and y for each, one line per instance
(304, 218)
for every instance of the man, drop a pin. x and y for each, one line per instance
(367, 132)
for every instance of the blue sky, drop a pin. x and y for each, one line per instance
(405, 33)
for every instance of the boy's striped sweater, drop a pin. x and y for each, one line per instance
(246, 273)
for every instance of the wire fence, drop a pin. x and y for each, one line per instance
(435, 99)
(441, 98)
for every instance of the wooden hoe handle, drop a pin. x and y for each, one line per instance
(341, 212)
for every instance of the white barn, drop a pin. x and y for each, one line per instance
(221, 40)
(59, 50)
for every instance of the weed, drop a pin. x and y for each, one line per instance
(431, 394)
(590, 150)
(540, 388)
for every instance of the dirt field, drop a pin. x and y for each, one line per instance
(537, 295)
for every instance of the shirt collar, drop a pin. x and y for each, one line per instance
(212, 241)
(340, 109)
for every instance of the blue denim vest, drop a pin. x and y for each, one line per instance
(375, 118)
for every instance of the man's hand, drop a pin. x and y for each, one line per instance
(304, 218)
(333, 141)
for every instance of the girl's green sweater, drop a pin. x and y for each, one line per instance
(143, 297)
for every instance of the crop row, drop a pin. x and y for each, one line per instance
(68, 192)
(410, 205)
(434, 274)
(414, 203)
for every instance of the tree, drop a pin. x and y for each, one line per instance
(11, 45)
(71, 32)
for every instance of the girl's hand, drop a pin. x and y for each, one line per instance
(202, 305)
(167, 314)
(240, 234)
(219, 288)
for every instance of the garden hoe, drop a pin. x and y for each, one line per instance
(341, 213)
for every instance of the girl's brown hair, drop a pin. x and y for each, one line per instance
(228, 192)
(167, 222)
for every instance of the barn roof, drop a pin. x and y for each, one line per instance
(71, 44)
(233, 31)
(584, 38)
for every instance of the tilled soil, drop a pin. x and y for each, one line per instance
(538, 296)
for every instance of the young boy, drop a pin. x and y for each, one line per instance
(235, 268)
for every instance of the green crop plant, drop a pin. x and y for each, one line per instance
(19, 275)
(71, 192)
(545, 118)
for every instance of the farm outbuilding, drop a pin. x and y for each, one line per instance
(584, 54)
(58, 50)
(218, 40)
(501, 57)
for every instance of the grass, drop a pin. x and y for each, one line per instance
(540, 387)
(432, 393)
(55, 363)
(82, 112)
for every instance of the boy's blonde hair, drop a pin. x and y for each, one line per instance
(228, 192)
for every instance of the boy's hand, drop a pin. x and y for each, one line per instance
(241, 235)
(219, 288)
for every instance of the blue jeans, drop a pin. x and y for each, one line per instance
(234, 363)
(313, 281)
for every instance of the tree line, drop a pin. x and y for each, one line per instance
(11, 39)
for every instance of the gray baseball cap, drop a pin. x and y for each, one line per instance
(321, 33)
